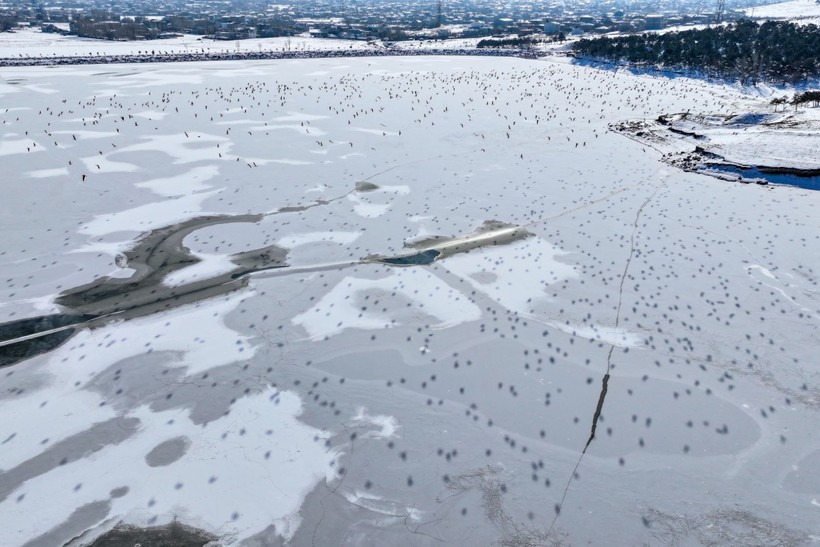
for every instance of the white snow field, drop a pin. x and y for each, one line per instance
(337, 400)
(799, 11)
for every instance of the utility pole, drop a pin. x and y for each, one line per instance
(438, 14)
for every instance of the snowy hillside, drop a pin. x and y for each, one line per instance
(807, 11)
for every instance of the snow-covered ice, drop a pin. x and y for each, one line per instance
(337, 398)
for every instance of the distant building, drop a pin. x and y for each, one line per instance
(654, 22)
(551, 27)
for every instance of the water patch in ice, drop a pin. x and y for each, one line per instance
(430, 249)
(765, 175)
(421, 258)
(156, 260)
(24, 338)
(161, 253)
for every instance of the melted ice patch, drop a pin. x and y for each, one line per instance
(151, 115)
(366, 209)
(9, 147)
(613, 336)
(382, 132)
(318, 188)
(149, 216)
(101, 164)
(83, 134)
(179, 146)
(186, 183)
(794, 294)
(273, 456)
(388, 425)
(761, 269)
(363, 205)
(381, 506)
(29, 433)
(522, 271)
(296, 240)
(340, 308)
(48, 173)
(280, 161)
(198, 330)
(299, 117)
(398, 189)
(209, 266)
(302, 129)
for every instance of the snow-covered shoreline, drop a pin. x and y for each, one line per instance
(267, 56)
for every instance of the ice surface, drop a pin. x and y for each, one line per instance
(207, 485)
(190, 182)
(388, 426)
(150, 216)
(612, 336)
(515, 276)
(297, 240)
(10, 147)
(445, 403)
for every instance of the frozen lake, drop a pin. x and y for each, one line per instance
(562, 280)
